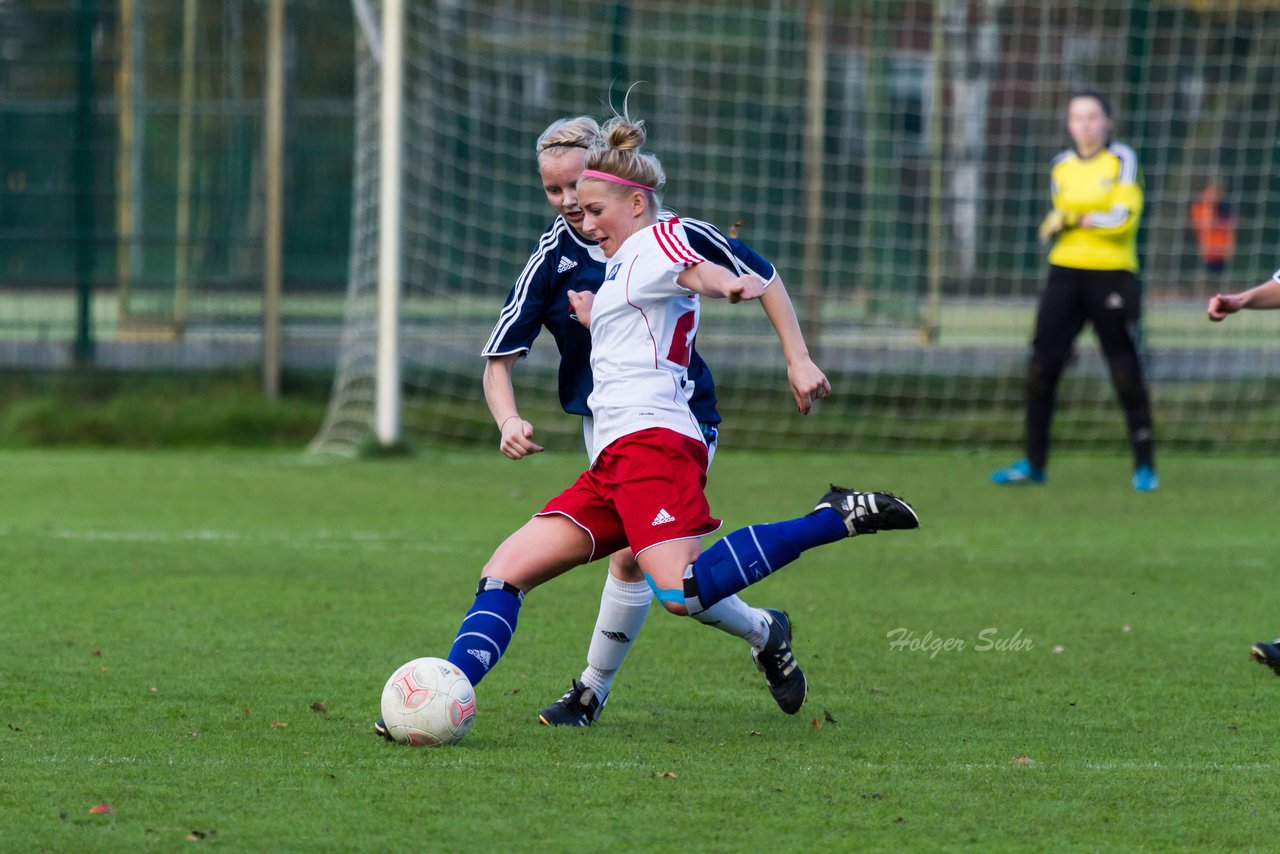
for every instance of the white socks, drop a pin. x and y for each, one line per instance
(739, 619)
(623, 607)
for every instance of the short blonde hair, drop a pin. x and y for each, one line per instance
(575, 132)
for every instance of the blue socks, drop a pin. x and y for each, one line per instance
(734, 562)
(487, 629)
(748, 554)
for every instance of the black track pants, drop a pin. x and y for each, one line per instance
(1110, 300)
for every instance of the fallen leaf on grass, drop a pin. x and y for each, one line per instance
(1022, 760)
(100, 809)
(196, 835)
(816, 723)
(826, 716)
(318, 706)
(1059, 648)
(247, 711)
(103, 669)
(670, 775)
(754, 732)
(97, 653)
(153, 689)
(278, 724)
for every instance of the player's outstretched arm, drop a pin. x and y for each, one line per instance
(1265, 295)
(808, 382)
(500, 395)
(712, 280)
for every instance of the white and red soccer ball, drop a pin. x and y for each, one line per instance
(428, 702)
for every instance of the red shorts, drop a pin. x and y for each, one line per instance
(644, 489)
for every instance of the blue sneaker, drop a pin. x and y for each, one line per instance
(1145, 479)
(1020, 472)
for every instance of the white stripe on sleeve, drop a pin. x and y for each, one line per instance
(515, 306)
(1128, 162)
(1113, 218)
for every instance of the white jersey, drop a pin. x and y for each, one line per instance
(642, 328)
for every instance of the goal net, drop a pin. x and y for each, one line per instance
(890, 158)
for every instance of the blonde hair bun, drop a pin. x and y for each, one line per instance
(624, 134)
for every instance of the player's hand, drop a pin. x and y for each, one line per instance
(517, 439)
(808, 383)
(744, 288)
(1051, 226)
(580, 302)
(1223, 304)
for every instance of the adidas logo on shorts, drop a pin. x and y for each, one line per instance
(663, 518)
(482, 655)
(566, 264)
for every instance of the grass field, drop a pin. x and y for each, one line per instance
(199, 639)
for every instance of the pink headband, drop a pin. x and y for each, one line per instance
(605, 176)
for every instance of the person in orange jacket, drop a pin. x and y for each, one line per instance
(1215, 225)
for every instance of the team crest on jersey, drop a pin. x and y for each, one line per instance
(613, 272)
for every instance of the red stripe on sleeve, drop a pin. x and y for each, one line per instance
(682, 249)
(684, 246)
(662, 243)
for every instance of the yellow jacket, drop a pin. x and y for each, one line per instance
(1106, 188)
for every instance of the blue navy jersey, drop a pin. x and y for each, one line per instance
(566, 261)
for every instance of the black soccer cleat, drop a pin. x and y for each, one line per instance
(776, 661)
(578, 707)
(868, 512)
(1268, 654)
(380, 728)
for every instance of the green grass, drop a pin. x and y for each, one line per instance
(162, 612)
(158, 409)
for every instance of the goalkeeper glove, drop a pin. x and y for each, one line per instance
(1055, 223)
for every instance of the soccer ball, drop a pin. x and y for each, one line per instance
(428, 701)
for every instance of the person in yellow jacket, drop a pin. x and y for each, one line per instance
(1093, 267)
